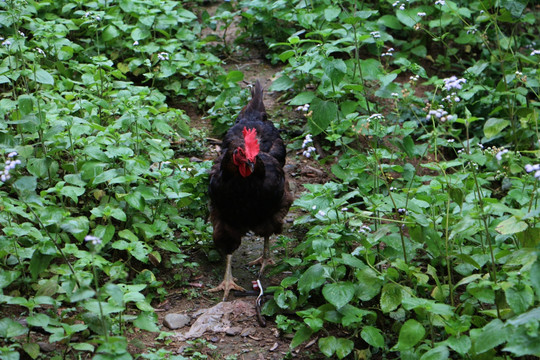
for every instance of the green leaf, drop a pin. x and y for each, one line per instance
(408, 17)
(110, 32)
(281, 84)
(235, 76)
(494, 127)
(7, 277)
(311, 279)
(303, 98)
(302, 334)
(324, 112)
(38, 320)
(372, 336)
(339, 294)
(78, 225)
(331, 12)
(410, 334)
(511, 226)
(438, 353)
(147, 321)
(520, 297)
(32, 349)
(168, 245)
(369, 285)
(41, 76)
(38, 263)
(390, 21)
(140, 34)
(41, 167)
(390, 297)
(72, 192)
(461, 344)
(328, 345)
(489, 337)
(10, 328)
(26, 104)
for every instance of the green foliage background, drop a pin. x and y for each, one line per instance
(425, 243)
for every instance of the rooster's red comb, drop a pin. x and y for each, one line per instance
(252, 144)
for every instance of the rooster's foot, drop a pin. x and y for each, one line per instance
(227, 286)
(263, 261)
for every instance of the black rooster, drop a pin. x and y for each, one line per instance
(248, 188)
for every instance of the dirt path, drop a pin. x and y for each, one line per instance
(232, 330)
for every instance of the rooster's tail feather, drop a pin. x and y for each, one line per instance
(254, 110)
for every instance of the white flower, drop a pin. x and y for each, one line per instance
(321, 213)
(375, 34)
(530, 168)
(453, 83)
(395, 95)
(40, 51)
(402, 7)
(304, 108)
(376, 117)
(537, 174)
(500, 154)
(21, 33)
(163, 56)
(440, 2)
(421, 14)
(395, 4)
(6, 43)
(535, 52)
(136, 42)
(308, 151)
(450, 140)
(308, 140)
(93, 239)
(12, 154)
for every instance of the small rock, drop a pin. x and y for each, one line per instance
(46, 347)
(233, 331)
(248, 331)
(176, 321)
(214, 339)
(274, 347)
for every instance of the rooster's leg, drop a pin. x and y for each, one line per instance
(228, 283)
(265, 258)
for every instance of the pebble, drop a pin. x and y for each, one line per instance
(233, 331)
(176, 321)
(248, 331)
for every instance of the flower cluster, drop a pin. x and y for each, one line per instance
(500, 154)
(375, 34)
(6, 42)
(421, 14)
(163, 56)
(364, 229)
(11, 163)
(414, 78)
(307, 145)
(388, 52)
(304, 108)
(93, 239)
(401, 5)
(440, 114)
(535, 52)
(440, 2)
(452, 98)
(453, 83)
(536, 168)
(376, 117)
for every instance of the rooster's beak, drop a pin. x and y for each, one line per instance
(251, 165)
